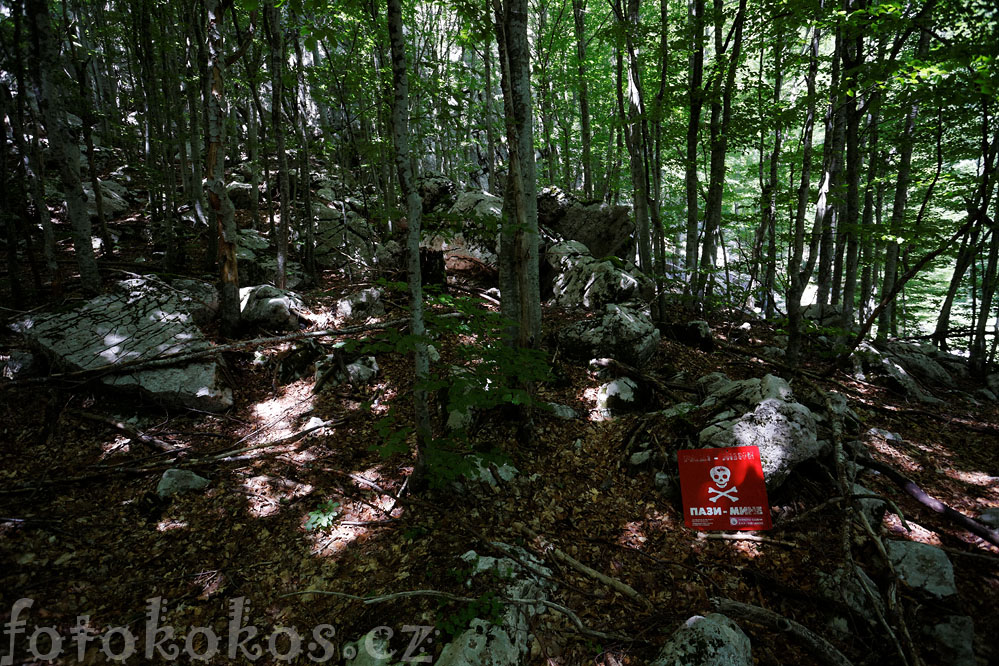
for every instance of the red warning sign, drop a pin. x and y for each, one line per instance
(723, 489)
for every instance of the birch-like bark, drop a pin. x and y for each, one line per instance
(414, 206)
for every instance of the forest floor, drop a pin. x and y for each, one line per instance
(81, 535)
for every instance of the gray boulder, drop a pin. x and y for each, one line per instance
(844, 587)
(874, 509)
(695, 333)
(582, 281)
(782, 428)
(605, 230)
(20, 364)
(923, 567)
(990, 517)
(357, 373)
(712, 640)
(361, 305)
(477, 216)
(179, 481)
(618, 396)
(507, 642)
(240, 194)
(112, 199)
(139, 319)
(955, 640)
(622, 332)
(436, 192)
(271, 307)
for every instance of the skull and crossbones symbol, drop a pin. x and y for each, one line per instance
(721, 475)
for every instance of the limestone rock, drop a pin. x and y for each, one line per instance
(270, 307)
(582, 281)
(622, 332)
(923, 567)
(179, 481)
(712, 640)
(361, 305)
(139, 319)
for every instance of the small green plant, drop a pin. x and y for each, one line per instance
(486, 606)
(324, 517)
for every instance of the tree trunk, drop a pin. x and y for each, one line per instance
(695, 102)
(579, 14)
(853, 60)
(828, 205)
(49, 92)
(276, 39)
(519, 278)
(798, 275)
(400, 127)
(899, 204)
(218, 197)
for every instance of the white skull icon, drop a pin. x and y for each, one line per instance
(721, 475)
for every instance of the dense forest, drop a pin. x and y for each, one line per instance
(391, 321)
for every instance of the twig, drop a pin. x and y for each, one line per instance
(131, 431)
(817, 646)
(749, 537)
(612, 583)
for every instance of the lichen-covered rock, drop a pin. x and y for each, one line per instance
(618, 396)
(436, 191)
(582, 281)
(477, 217)
(954, 640)
(271, 307)
(622, 332)
(112, 199)
(782, 428)
(847, 588)
(179, 481)
(923, 567)
(361, 305)
(139, 319)
(241, 195)
(507, 642)
(712, 640)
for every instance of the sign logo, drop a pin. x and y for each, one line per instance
(723, 489)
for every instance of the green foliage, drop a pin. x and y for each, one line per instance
(324, 517)
(486, 606)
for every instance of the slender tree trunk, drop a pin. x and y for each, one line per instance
(899, 204)
(579, 14)
(276, 38)
(695, 102)
(49, 92)
(721, 115)
(853, 60)
(218, 197)
(400, 127)
(519, 278)
(830, 201)
(799, 275)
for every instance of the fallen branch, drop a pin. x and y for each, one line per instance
(612, 583)
(817, 646)
(749, 537)
(930, 502)
(131, 431)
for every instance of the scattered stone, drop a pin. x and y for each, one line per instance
(990, 517)
(373, 649)
(331, 372)
(20, 364)
(112, 200)
(844, 587)
(483, 471)
(563, 412)
(271, 307)
(179, 481)
(622, 332)
(712, 640)
(506, 643)
(640, 458)
(874, 509)
(361, 305)
(955, 640)
(582, 281)
(139, 319)
(436, 192)
(618, 396)
(695, 333)
(923, 567)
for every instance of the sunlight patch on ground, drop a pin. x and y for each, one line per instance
(918, 533)
(119, 444)
(276, 417)
(353, 517)
(633, 535)
(169, 524)
(266, 494)
(589, 397)
(974, 478)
